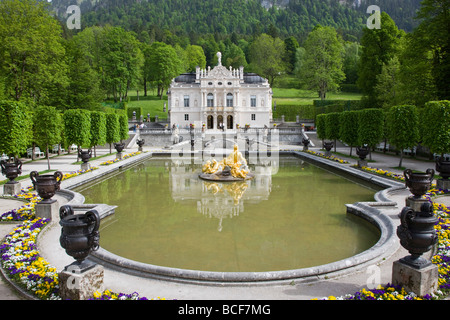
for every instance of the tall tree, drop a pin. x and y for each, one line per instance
(98, 130)
(195, 57)
(112, 129)
(164, 65)
(32, 52)
(121, 62)
(388, 86)
(322, 61)
(266, 56)
(348, 129)
(291, 45)
(84, 89)
(370, 127)
(77, 127)
(402, 125)
(378, 47)
(47, 128)
(15, 124)
(434, 34)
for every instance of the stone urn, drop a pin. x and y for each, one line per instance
(418, 182)
(328, 146)
(11, 170)
(46, 185)
(362, 152)
(85, 155)
(417, 234)
(119, 147)
(305, 143)
(140, 142)
(443, 167)
(79, 234)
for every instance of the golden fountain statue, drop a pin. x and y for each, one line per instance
(232, 168)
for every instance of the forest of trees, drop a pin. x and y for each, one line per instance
(193, 18)
(54, 66)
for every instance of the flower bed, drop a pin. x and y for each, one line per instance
(129, 155)
(441, 259)
(333, 158)
(22, 263)
(384, 173)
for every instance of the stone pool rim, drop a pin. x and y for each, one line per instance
(385, 247)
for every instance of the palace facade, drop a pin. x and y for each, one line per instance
(220, 98)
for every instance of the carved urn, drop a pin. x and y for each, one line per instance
(305, 142)
(79, 234)
(119, 147)
(328, 146)
(443, 167)
(417, 234)
(11, 170)
(46, 185)
(362, 152)
(418, 182)
(85, 155)
(140, 142)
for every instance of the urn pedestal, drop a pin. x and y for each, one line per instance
(421, 282)
(328, 146)
(85, 156)
(11, 170)
(140, 143)
(79, 237)
(362, 152)
(119, 148)
(443, 167)
(305, 143)
(417, 235)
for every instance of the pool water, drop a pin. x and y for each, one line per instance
(289, 218)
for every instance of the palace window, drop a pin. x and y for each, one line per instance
(253, 117)
(186, 117)
(186, 101)
(253, 101)
(210, 100)
(229, 100)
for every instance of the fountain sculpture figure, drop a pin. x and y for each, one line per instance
(232, 168)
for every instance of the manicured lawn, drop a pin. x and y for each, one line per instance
(284, 96)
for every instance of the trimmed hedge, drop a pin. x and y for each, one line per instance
(139, 112)
(290, 112)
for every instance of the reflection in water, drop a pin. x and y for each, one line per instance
(291, 215)
(222, 200)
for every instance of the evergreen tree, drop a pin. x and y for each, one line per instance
(378, 47)
(47, 128)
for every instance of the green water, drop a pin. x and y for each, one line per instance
(293, 219)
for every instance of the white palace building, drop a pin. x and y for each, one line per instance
(220, 98)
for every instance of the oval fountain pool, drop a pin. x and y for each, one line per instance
(290, 216)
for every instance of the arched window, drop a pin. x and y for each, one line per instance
(210, 100)
(229, 100)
